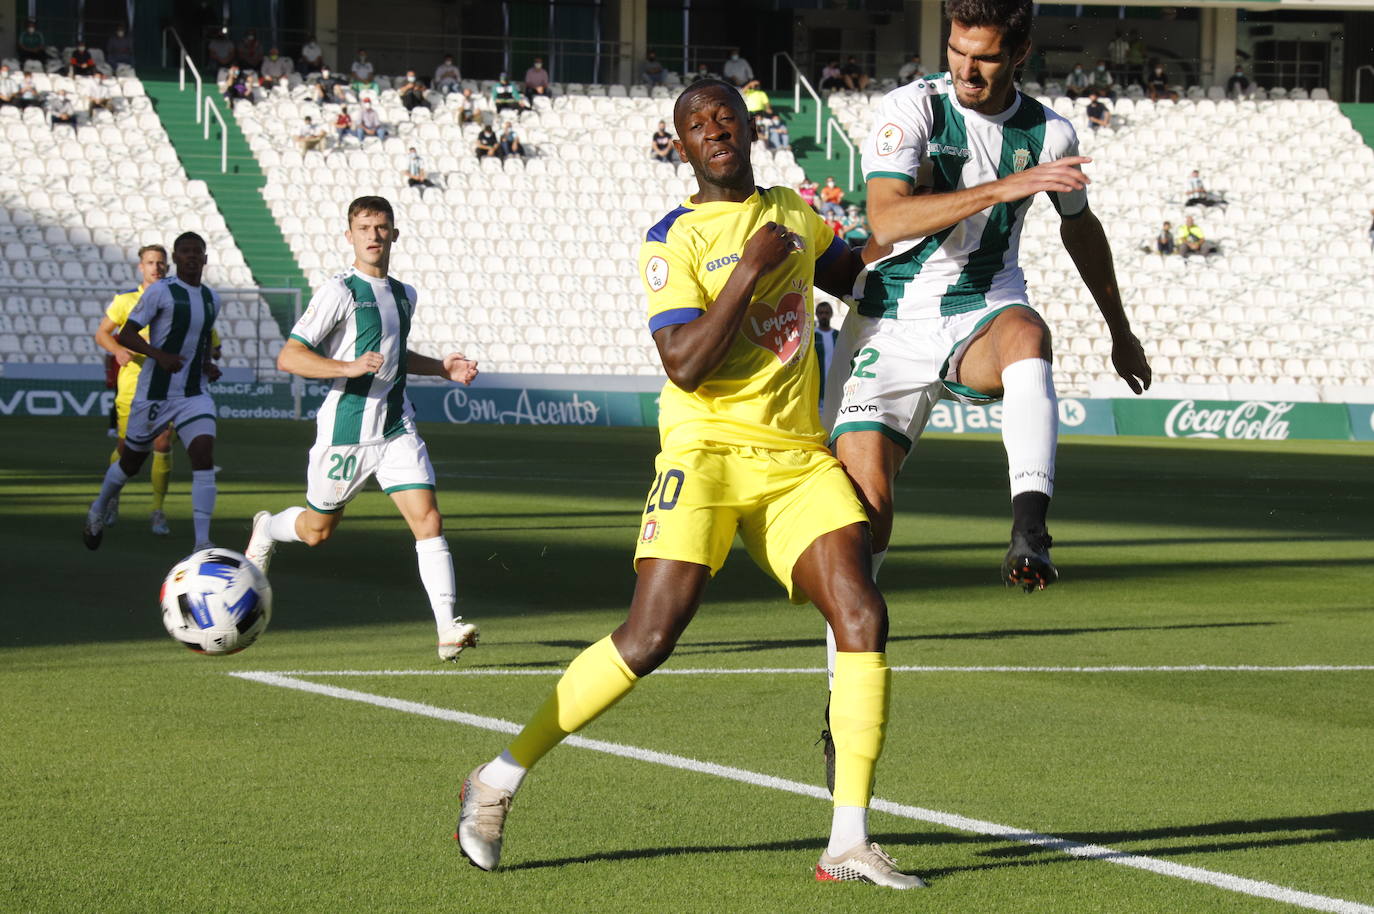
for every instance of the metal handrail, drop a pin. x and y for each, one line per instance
(833, 127)
(1360, 71)
(185, 62)
(798, 82)
(223, 133)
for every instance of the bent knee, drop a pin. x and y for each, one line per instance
(648, 652)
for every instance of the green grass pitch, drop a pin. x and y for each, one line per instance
(138, 777)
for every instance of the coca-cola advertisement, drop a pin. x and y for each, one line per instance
(1247, 420)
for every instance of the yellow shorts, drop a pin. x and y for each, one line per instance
(780, 502)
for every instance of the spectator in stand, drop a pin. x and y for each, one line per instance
(1157, 84)
(366, 90)
(737, 69)
(1198, 195)
(235, 86)
(505, 96)
(536, 79)
(855, 79)
(910, 70)
(487, 143)
(467, 108)
(652, 71)
(29, 96)
(1164, 241)
(1192, 241)
(98, 94)
(312, 56)
(412, 92)
(119, 48)
(9, 88)
(31, 44)
(221, 49)
(1239, 84)
(778, 137)
(854, 230)
(447, 77)
(1102, 80)
(343, 125)
(703, 72)
(370, 123)
(832, 201)
(825, 339)
(310, 136)
(361, 68)
(510, 141)
(1077, 82)
(807, 191)
(415, 173)
(1371, 231)
(755, 99)
(1135, 58)
(249, 51)
(832, 77)
(1036, 67)
(81, 63)
(1118, 51)
(61, 109)
(1098, 115)
(661, 146)
(275, 69)
(327, 88)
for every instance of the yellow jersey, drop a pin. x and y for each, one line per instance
(121, 306)
(764, 393)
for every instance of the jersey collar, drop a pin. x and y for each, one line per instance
(752, 200)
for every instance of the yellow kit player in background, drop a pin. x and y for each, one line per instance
(729, 277)
(152, 267)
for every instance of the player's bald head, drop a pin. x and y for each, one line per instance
(702, 90)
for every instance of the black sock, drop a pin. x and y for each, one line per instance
(1028, 511)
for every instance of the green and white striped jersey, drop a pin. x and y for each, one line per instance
(353, 314)
(923, 135)
(179, 318)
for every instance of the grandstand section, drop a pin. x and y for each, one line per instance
(75, 210)
(1284, 309)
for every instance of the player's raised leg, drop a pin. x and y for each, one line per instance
(1012, 359)
(118, 474)
(667, 594)
(418, 506)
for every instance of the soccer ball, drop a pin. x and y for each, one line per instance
(216, 602)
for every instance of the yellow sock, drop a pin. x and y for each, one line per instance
(596, 679)
(114, 456)
(858, 722)
(162, 477)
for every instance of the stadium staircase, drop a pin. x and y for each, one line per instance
(238, 193)
(1362, 118)
(809, 149)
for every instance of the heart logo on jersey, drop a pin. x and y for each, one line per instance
(777, 328)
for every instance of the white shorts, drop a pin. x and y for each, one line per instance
(899, 370)
(337, 472)
(193, 417)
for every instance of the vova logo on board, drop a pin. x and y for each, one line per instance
(56, 403)
(1252, 420)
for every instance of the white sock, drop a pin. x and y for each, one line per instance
(115, 477)
(848, 827)
(830, 634)
(436, 573)
(282, 525)
(1030, 425)
(503, 773)
(203, 493)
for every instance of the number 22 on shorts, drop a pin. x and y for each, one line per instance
(667, 488)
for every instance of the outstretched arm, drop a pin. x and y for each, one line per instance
(692, 352)
(897, 212)
(1087, 244)
(453, 367)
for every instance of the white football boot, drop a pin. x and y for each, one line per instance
(260, 544)
(865, 863)
(159, 524)
(454, 637)
(482, 821)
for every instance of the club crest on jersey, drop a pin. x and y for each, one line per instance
(1020, 159)
(656, 273)
(889, 138)
(777, 328)
(650, 532)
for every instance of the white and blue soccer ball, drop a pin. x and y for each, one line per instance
(216, 602)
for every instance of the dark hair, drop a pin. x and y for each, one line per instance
(190, 236)
(371, 205)
(1013, 17)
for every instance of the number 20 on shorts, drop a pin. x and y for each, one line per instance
(664, 484)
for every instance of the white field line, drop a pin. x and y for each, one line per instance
(1226, 881)
(818, 671)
